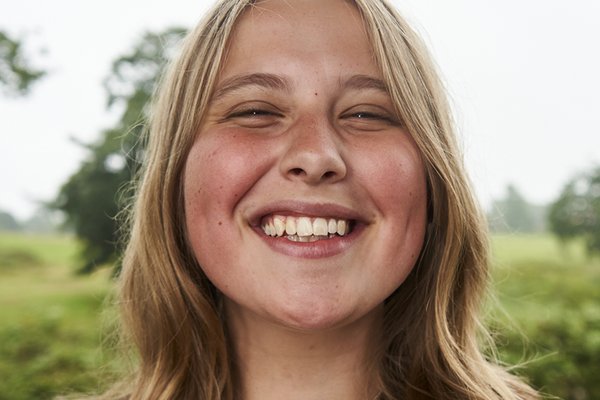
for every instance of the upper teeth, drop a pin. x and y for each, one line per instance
(278, 225)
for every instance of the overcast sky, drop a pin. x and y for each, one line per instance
(524, 76)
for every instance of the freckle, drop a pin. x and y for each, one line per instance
(220, 223)
(316, 94)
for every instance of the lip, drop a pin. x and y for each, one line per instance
(299, 208)
(311, 250)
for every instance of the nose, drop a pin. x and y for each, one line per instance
(313, 155)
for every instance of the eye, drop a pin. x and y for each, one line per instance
(368, 117)
(250, 113)
(254, 115)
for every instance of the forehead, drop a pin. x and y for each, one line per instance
(317, 16)
(284, 32)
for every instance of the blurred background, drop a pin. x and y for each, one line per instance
(75, 78)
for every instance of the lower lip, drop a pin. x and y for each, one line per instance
(317, 249)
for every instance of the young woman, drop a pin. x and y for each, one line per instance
(304, 228)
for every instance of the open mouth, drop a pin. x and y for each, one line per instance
(305, 229)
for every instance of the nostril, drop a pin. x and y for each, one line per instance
(328, 174)
(297, 171)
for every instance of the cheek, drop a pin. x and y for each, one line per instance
(395, 176)
(216, 176)
(219, 170)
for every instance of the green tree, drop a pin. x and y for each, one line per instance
(16, 73)
(576, 212)
(513, 213)
(8, 222)
(43, 220)
(90, 197)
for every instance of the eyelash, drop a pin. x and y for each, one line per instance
(256, 112)
(259, 117)
(368, 115)
(251, 112)
(369, 120)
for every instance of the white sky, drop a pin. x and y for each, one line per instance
(524, 76)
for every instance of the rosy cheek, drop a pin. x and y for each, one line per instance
(395, 172)
(221, 167)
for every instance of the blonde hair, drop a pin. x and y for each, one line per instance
(171, 312)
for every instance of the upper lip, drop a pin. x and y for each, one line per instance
(309, 209)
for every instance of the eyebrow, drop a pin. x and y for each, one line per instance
(273, 81)
(268, 81)
(360, 82)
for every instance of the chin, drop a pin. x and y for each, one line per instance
(310, 318)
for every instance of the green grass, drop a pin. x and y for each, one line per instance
(534, 271)
(50, 319)
(550, 295)
(52, 325)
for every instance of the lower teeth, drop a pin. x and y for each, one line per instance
(305, 239)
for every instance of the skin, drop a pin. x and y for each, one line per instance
(309, 139)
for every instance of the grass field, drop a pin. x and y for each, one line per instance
(550, 293)
(51, 320)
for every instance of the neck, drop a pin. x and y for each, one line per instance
(275, 362)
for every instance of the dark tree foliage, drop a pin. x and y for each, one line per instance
(16, 74)
(576, 212)
(91, 198)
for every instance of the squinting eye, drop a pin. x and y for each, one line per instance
(250, 113)
(257, 115)
(368, 118)
(368, 115)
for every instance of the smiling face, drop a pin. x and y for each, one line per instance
(305, 198)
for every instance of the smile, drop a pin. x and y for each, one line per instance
(305, 229)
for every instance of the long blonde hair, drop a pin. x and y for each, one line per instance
(171, 312)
